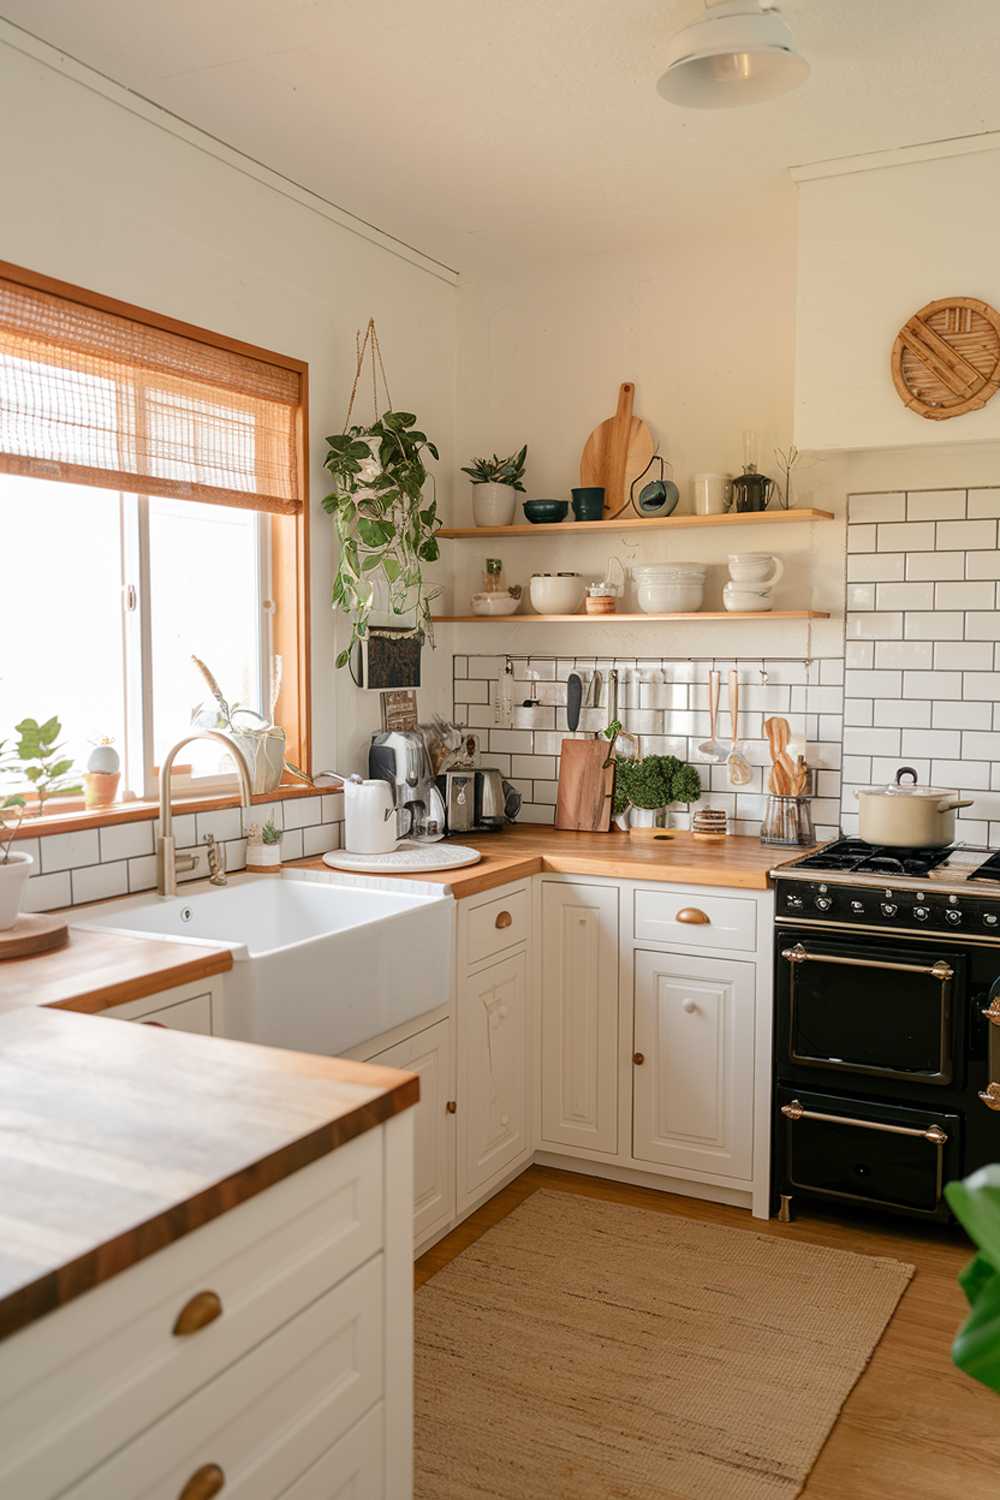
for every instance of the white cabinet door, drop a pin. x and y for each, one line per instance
(492, 1072)
(693, 1089)
(429, 1054)
(579, 1004)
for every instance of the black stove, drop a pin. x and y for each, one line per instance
(887, 1023)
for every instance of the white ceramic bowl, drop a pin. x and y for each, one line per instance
(669, 588)
(494, 604)
(493, 504)
(557, 593)
(743, 598)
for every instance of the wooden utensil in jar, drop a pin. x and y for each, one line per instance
(783, 769)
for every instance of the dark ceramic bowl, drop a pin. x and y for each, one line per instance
(546, 510)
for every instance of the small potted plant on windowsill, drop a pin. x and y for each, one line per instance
(14, 867)
(495, 486)
(263, 846)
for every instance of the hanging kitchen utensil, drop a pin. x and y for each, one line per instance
(586, 786)
(574, 701)
(713, 747)
(617, 451)
(658, 497)
(738, 767)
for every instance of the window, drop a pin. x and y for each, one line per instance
(152, 493)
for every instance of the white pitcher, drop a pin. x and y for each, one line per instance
(371, 818)
(757, 570)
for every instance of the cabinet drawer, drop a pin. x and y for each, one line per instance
(267, 1418)
(77, 1385)
(187, 1015)
(353, 1469)
(497, 925)
(681, 919)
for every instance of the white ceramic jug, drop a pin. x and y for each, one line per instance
(757, 570)
(371, 819)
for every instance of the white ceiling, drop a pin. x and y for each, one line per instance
(484, 130)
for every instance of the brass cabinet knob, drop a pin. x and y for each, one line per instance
(504, 919)
(638, 1058)
(694, 916)
(452, 1106)
(208, 1481)
(202, 1309)
(991, 1096)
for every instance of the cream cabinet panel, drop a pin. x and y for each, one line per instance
(492, 1072)
(429, 1054)
(693, 1088)
(579, 1009)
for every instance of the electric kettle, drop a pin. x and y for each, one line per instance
(371, 818)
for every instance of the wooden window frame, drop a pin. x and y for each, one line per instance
(289, 535)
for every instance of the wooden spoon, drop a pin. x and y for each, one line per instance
(738, 767)
(783, 771)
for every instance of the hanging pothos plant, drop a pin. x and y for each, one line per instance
(386, 529)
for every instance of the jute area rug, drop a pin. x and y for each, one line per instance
(584, 1350)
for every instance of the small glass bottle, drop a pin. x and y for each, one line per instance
(493, 576)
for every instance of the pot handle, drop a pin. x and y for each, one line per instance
(906, 771)
(950, 804)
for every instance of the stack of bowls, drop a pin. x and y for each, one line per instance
(669, 588)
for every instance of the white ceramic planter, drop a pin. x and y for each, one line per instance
(264, 856)
(13, 878)
(493, 504)
(648, 817)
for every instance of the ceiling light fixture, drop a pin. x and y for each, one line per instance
(742, 52)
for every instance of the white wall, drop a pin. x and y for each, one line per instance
(704, 326)
(96, 194)
(874, 246)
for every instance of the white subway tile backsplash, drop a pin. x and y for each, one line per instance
(544, 766)
(982, 565)
(142, 873)
(291, 844)
(981, 686)
(964, 656)
(943, 742)
(903, 596)
(223, 825)
(935, 565)
(46, 892)
(962, 716)
(470, 690)
(936, 625)
(858, 741)
(983, 503)
(876, 567)
(889, 507)
(877, 627)
(860, 655)
(980, 746)
(884, 769)
(863, 539)
(982, 625)
(933, 685)
(514, 740)
(831, 671)
(935, 505)
(858, 768)
(911, 536)
(916, 655)
(902, 713)
(872, 684)
(97, 882)
(965, 536)
(322, 839)
(304, 812)
(975, 595)
(861, 595)
(970, 775)
(123, 840)
(65, 851)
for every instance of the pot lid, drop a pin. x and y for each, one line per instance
(901, 788)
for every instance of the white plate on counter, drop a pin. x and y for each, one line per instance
(408, 859)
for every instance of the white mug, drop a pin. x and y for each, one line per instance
(758, 569)
(711, 494)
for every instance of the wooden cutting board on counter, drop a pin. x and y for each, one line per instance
(617, 452)
(586, 787)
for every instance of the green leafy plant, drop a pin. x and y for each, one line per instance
(40, 761)
(385, 528)
(269, 834)
(498, 470)
(654, 782)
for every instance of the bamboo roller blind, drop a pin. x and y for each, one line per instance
(94, 397)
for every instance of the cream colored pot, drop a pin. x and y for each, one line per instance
(908, 816)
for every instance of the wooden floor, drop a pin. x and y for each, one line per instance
(914, 1427)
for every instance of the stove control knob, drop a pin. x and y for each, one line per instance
(823, 903)
(921, 913)
(794, 903)
(954, 917)
(990, 919)
(889, 908)
(858, 906)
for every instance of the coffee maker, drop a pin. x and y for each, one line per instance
(399, 756)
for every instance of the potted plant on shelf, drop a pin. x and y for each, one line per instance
(645, 789)
(495, 486)
(386, 529)
(263, 846)
(14, 868)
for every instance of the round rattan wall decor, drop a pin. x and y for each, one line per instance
(946, 358)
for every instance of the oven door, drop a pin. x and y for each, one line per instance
(866, 1153)
(869, 1010)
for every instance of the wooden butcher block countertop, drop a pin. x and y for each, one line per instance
(116, 1140)
(526, 849)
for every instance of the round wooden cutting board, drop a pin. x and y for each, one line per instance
(946, 358)
(33, 934)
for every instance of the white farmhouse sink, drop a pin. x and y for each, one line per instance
(320, 963)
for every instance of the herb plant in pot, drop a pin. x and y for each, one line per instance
(263, 846)
(496, 483)
(645, 789)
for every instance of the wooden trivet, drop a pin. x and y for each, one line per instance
(33, 934)
(946, 358)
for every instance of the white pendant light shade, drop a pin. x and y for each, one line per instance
(740, 53)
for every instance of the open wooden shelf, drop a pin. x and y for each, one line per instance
(638, 523)
(582, 619)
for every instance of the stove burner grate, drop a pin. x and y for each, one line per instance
(857, 857)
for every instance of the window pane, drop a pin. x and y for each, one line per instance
(60, 612)
(204, 601)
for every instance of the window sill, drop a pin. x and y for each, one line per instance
(135, 812)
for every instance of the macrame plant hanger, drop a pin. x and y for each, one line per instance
(369, 348)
